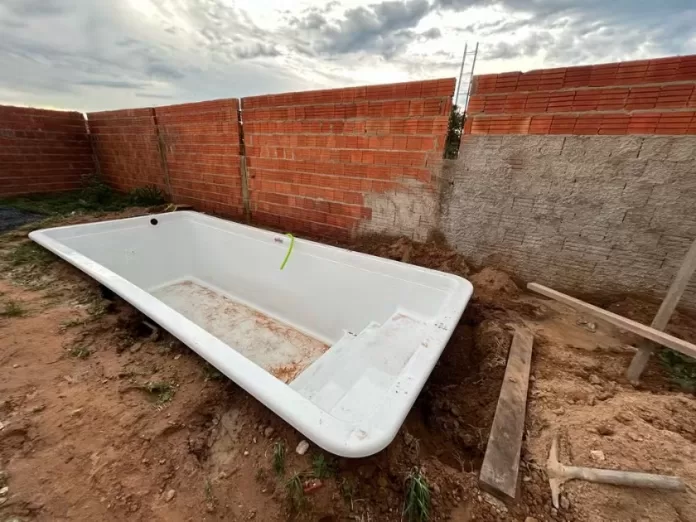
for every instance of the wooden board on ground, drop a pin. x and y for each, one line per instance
(622, 322)
(502, 460)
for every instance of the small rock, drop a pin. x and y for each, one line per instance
(624, 417)
(268, 432)
(246, 453)
(136, 347)
(4, 490)
(408, 438)
(635, 436)
(531, 519)
(526, 478)
(162, 461)
(76, 412)
(594, 379)
(604, 430)
(15, 365)
(532, 378)
(253, 440)
(597, 455)
(559, 411)
(2, 425)
(591, 327)
(302, 447)
(497, 504)
(170, 495)
(454, 410)
(177, 356)
(565, 503)
(604, 395)
(37, 409)
(436, 489)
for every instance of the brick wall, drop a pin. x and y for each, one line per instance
(347, 161)
(584, 204)
(640, 97)
(201, 144)
(127, 149)
(190, 151)
(42, 151)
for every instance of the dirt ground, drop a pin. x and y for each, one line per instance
(103, 420)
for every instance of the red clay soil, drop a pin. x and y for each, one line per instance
(103, 421)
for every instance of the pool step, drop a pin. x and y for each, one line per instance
(352, 377)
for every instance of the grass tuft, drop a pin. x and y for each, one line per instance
(211, 373)
(348, 491)
(321, 467)
(295, 492)
(279, 458)
(94, 196)
(13, 309)
(80, 352)
(29, 253)
(162, 390)
(71, 323)
(147, 196)
(417, 505)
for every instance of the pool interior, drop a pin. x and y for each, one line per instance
(280, 349)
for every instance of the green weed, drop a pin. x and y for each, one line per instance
(295, 492)
(29, 253)
(80, 352)
(13, 309)
(417, 505)
(210, 499)
(279, 458)
(147, 196)
(348, 491)
(321, 467)
(682, 369)
(71, 323)
(162, 390)
(94, 196)
(210, 373)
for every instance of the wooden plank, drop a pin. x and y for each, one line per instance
(502, 460)
(676, 289)
(626, 324)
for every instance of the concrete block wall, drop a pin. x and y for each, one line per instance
(347, 161)
(42, 151)
(127, 148)
(593, 210)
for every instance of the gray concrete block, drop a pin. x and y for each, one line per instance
(656, 147)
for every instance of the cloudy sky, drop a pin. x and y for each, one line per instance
(103, 54)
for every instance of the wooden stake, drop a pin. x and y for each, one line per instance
(622, 322)
(502, 460)
(676, 289)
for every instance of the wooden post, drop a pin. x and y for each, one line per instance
(645, 349)
(162, 148)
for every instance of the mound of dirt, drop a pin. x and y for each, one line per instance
(432, 254)
(491, 284)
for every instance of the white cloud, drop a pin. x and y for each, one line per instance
(88, 55)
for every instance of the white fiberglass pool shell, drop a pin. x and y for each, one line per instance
(338, 343)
